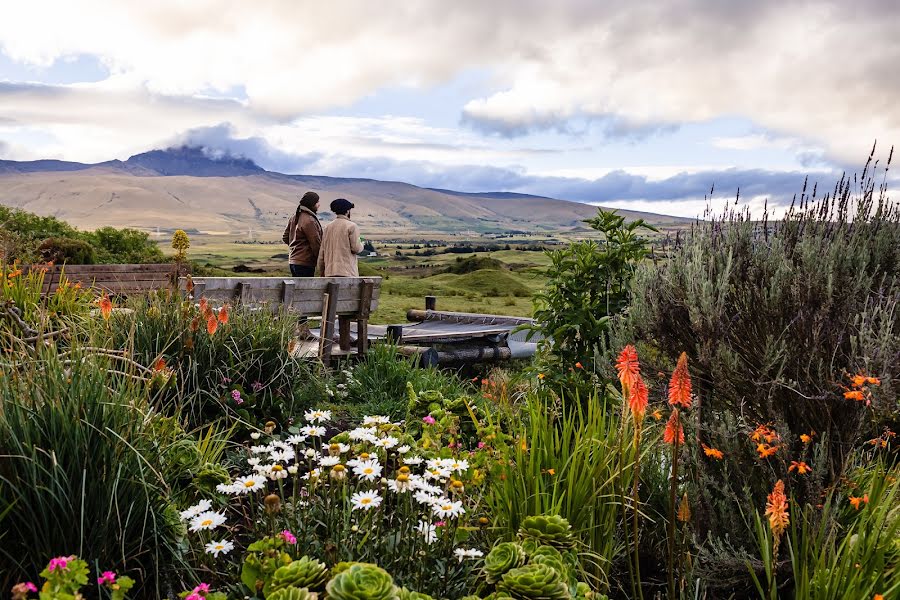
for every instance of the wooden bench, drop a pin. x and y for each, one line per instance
(116, 280)
(349, 298)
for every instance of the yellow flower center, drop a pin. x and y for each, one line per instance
(402, 478)
(365, 501)
(368, 470)
(277, 468)
(446, 506)
(206, 523)
(364, 455)
(338, 467)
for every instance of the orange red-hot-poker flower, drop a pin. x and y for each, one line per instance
(712, 452)
(673, 430)
(638, 398)
(628, 367)
(203, 306)
(680, 384)
(212, 324)
(223, 315)
(105, 306)
(777, 510)
(801, 467)
(578, 365)
(160, 364)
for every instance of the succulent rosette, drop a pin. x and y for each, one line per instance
(303, 573)
(362, 581)
(550, 556)
(292, 593)
(534, 582)
(552, 530)
(501, 559)
(406, 594)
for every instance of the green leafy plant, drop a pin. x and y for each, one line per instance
(363, 582)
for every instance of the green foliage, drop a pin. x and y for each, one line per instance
(502, 558)
(303, 573)
(64, 577)
(127, 246)
(534, 581)
(363, 582)
(81, 470)
(588, 282)
(264, 558)
(67, 250)
(292, 593)
(547, 529)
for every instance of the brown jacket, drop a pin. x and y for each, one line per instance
(304, 236)
(340, 245)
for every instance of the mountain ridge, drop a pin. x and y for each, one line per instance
(190, 187)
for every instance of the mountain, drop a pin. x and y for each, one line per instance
(193, 189)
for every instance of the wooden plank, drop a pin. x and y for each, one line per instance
(325, 301)
(344, 332)
(119, 268)
(287, 296)
(301, 283)
(366, 291)
(328, 317)
(362, 336)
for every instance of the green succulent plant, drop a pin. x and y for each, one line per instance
(362, 582)
(496, 596)
(470, 597)
(303, 573)
(406, 594)
(552, 530)
(583, 591)
(534, 582)
(292, 593)
(502, 558)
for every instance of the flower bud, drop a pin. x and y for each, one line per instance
(273, 504)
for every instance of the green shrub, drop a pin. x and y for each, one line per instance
(67, 250)
(82, 472)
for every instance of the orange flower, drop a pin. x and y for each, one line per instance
(807, 438)
(801, 467)
(160, 364)
(858, 380)
(195, 324)
(211, 324)
(541, 375)
(656, 414)
(638, 398)
(223, 315)
(680, 384)
(578, 365)
(551, 471)
(764, 432)
(777, 510)
(873, 381)
(854, 395)
(105, 306)
(858, 501)
(628, 367)
(878, 597)
(712, 452)
(765, 451)
(203, 306)
(673, 429)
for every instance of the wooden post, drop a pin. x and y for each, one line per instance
(362, 317)
(287, 294)
(244, 290)
(394, 334)
(430, 302)
(329, 309)
(344, 332)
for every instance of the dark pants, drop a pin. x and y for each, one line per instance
(302, 271)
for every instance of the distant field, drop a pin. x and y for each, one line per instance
(505, 287)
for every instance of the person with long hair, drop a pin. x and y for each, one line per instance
(303, 235)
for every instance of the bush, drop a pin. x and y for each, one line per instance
(67, 250)
(83, 470)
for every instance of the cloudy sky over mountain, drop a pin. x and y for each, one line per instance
(638, 105)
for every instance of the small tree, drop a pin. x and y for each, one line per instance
(180, 243)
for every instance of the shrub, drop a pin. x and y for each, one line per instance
(83, 470)
(67, 250)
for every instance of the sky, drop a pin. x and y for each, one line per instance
(645, 106)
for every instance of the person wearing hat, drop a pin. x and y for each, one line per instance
(303, 235)
(340, 243)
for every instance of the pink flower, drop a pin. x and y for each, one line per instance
(288, 537)
(106, 577)
(60, 563)
(481, 445)
(193, 596)
(440, 523)
(30, 587)
(429, 419)
(203, 588)
(451, 445)
(257, 386)
(236, 396)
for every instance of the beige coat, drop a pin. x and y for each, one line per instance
(340, 245)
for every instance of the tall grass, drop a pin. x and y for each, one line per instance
(82, 472)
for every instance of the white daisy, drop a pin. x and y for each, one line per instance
(227, 488)
(412, 460)
(312, 430)
(260, 449)
(363, 434)
(445, 507)
(277, 471)
(280, 444)
(292, 469)
(254, 461)
(437, 473)
(221, 547)
(401, 484)
(376, 420)
(420, 484)
(313, 474)
(207, 520)
(255, 435)
(403, 449)
(250, 483)
(296, 439)
(318, 416)
(337, 448)
(282, 456)
(310, 453)
(365, 500)
(368, 470)
(388, 442)
(425, 498)
(329, 461)
(428, 530)
(464, 553)
(458, 465)
(193, 511)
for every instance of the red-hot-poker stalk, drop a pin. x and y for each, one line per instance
(634, 397)
(679, 395)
